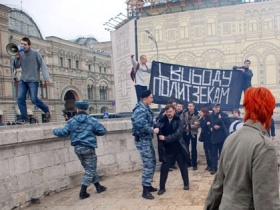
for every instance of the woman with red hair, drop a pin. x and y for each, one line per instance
(247, 177)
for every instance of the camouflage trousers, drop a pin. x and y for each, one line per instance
(88, 160)
(147, 153)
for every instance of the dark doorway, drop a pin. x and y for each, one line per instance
(70, 98)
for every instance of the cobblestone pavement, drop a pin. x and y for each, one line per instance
(124, 193)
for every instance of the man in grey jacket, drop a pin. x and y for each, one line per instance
(247, 177)
(30, 61)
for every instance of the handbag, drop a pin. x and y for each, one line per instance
(200, 137)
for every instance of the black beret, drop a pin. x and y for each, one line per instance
(83, 105)
(145, 93)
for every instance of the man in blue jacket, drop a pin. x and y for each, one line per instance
(220, 123)
(142, 130)
(83, 129)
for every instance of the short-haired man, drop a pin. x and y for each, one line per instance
(171, 146)
(142, 130)
(236, 121)
(191, 122)
(30, 61)
(162, 111)
(179, 109)
(140, 69)
(220, 123)
(247, 177)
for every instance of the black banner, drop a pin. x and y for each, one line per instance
(202, 86)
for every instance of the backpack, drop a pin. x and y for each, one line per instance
(133, 73)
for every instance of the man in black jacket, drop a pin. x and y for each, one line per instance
(172, 146)
(220, 123)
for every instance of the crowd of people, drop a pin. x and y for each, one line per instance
(240, 153)
(246, 144)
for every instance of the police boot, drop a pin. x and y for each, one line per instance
(152, 189)
(99, 187)
(83, 192)
(146, 193)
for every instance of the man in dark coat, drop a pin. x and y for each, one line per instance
(220, 123)
(171, 146)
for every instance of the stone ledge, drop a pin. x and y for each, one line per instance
(18, 134)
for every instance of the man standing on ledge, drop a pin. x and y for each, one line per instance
(140, 68)
(30, 61)
(142, 130)
(247, 177)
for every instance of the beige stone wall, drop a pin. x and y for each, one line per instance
(219, 37)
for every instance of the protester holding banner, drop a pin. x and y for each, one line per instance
(140, 69)
(247, 177)
(191, 122)
(247, 74)
(220, 123)
(142, 130)
(205, 136)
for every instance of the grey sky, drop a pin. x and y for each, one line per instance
(69, 19)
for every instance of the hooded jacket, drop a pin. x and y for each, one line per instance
(82, 129)
(177, 126)
(247, 177)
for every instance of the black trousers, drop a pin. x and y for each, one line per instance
(193, 141)
(182, 163)
(208, 152)
(216, 153)
(139, 89)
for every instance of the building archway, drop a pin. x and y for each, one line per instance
(104, 109)
(69, 98)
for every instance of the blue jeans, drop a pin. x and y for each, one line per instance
(32, 87)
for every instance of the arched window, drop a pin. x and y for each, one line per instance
(267, 24)
(104, 109)
(103, 88)
(211, 27)
(159, 33)
(90, 91)
(184, 30)
(252, 25)
(91, 110)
